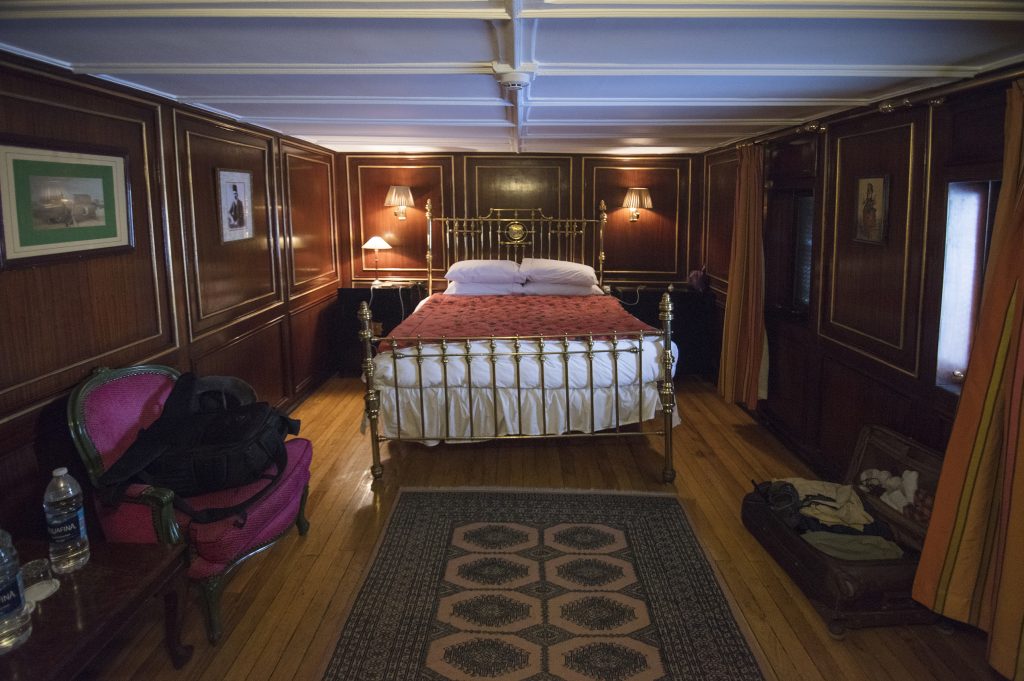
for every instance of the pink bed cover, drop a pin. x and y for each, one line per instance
(485, 316)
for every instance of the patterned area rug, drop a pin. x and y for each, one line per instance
(510, 585)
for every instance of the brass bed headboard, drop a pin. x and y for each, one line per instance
(517, 233)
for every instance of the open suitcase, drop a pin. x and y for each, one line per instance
(857, 593)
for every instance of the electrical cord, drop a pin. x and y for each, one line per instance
(401, 300)
(636, 301)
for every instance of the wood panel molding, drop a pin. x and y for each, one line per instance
(430, 178)
(230, 280)
(312, 333)
(872, 290)
(514, 181)
(653, 248)
(720, 178)
(60, 319)
(269, 375)
(311, 237)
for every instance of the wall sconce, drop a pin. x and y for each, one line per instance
(399, 197)
(636, 198)
(377, 244)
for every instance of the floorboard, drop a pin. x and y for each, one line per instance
(283, 610)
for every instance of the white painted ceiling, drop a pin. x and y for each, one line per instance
(601, 76)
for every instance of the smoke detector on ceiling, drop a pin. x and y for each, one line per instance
(515, 80)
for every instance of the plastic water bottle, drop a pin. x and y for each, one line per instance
(15, 620)
(65, 521)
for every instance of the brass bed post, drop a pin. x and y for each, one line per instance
(600, 242)
(668, 392)
(430, 254)
(372, 397)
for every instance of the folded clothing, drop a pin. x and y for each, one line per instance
(853, 546)
(831, 503)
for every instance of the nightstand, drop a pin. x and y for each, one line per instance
(692, 321)
(389, 305)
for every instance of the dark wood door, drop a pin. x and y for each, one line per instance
(792, 370)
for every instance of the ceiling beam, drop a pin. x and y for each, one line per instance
(236, 9)
(919, 10)
(548, 69)
(929, 10)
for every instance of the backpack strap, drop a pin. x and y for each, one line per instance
(150, 443)
(211, 515)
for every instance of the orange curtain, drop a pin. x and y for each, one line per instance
(970, 566)
(743, 332)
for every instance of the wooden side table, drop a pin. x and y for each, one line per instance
(692, 324)
(389, 306)
(72, 627)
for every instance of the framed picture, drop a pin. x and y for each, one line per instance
(60, 203)
(234, 201)
(872, 209)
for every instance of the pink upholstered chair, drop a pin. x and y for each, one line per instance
(106, 412)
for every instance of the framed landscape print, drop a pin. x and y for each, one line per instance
(61, 203)
(872, 209)
(234, 201)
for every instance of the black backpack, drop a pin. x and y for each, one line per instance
(210, 436)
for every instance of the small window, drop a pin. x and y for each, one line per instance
(802, 255)
(970, 210)
(788, 237)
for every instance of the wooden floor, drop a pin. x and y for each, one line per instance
(284, 609)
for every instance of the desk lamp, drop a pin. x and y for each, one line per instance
(376, 243)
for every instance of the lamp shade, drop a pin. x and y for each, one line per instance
(399, 195)
(377, 243)
(637, 197)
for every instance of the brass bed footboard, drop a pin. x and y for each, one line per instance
(521, 389)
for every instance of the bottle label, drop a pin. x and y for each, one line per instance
(10, 596)
(67, 528)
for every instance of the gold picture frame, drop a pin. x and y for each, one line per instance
(872, 215)
(61, 202)
(234, 202)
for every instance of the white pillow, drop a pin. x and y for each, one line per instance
(485, 272)
(558, 272)
(468, 288)
(543, 288)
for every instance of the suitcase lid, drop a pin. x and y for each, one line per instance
(884, 449)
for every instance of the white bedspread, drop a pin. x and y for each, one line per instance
(498, 388)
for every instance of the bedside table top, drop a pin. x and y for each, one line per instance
(365, 286)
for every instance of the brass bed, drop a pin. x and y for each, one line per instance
(611, 385)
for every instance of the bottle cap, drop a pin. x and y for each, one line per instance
(57, 472)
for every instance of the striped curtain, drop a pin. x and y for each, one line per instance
(743, 335)
(970, 568)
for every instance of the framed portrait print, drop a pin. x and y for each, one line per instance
(60, 203)
(234, 201)
(872, 209)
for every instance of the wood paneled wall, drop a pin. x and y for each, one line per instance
(655, 249)
(255, 308)
(865, 350)
(872, 288)
(655, 245)
(507, 181)
(430, 178)
(126, 296)
(721, 174)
